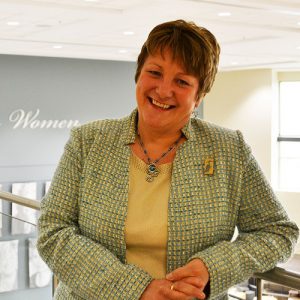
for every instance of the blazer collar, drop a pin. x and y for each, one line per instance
(128, 135)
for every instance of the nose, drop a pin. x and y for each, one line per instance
(164, 88)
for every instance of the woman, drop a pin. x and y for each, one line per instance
(145, 207)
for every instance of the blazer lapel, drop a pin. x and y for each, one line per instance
(105, 185)
(192, 188)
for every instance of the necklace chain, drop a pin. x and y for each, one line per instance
(152, 169)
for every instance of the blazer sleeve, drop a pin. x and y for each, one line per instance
(266, 235)
(84, 266)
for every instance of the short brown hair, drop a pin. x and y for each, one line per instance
(194, 47)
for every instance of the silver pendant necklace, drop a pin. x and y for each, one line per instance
(152, 169)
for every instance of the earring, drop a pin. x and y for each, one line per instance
(195, 113)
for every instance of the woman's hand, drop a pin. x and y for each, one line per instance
(184, 283)
(160, 289)
(190, 279)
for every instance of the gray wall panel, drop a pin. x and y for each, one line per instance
(61, 89)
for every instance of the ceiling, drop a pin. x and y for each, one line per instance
(252, 33)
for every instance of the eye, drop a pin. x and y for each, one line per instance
(182, 82)
(154, 73)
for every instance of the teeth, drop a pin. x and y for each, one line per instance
(161, 105)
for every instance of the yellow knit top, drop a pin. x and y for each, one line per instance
(146, 226)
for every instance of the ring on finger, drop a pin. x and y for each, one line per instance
(172, 287)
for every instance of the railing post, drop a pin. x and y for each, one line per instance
(259, 288)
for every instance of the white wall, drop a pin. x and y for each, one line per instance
(245, 100)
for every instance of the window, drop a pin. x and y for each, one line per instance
(289, 135)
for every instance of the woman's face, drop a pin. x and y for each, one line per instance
(166, 94)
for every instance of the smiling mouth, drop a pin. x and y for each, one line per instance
(160, 105)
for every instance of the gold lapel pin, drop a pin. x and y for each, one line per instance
(209, 166)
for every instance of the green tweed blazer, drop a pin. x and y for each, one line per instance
(81, 227)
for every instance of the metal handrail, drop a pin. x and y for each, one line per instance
(34, 204)
(279, 276)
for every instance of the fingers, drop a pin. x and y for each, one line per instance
(195, 281)
(188, 281)
(179, 274)
(188, 289)
(162, 289)
(195, 268)
(172, 294)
